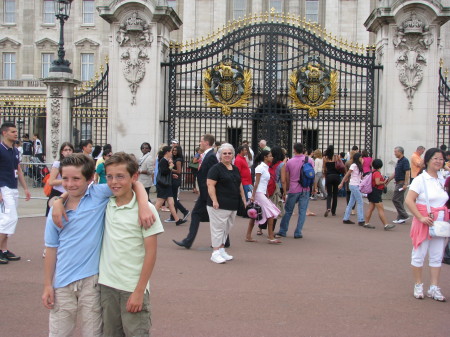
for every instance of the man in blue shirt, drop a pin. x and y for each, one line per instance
(10, 172)
(401, 175)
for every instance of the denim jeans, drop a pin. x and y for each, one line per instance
(355, 196)
(302, 199)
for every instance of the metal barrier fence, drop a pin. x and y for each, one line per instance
(34, 173)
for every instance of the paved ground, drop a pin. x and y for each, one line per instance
(339, 280)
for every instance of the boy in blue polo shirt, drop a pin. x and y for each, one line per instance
(128, 254)
(73, 252)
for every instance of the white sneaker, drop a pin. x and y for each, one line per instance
(435, 293)
(216, 257)
(225, 255)
(398, 221)
(418, 290)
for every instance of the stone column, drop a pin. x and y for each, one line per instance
(139, 43)
(408, 47)
(59, 122)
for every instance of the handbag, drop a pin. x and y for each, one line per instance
(162, 180)
(439, 228)
(254, 211)
(339, 166)
(193, 165)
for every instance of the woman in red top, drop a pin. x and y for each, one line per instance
(375, 200)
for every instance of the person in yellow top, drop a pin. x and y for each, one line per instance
(417, 162)
(128, 254)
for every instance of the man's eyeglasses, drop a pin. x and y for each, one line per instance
(144, 148)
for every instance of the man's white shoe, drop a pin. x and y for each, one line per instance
(225, 255)
(216, 257)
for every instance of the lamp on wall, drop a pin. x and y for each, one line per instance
(62, 13)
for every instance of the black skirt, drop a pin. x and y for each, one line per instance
(375, 196)
(163, 192)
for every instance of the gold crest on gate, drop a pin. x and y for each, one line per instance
(313, 87)
(227, 86)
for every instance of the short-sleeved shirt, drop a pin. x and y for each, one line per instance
(401, 168)
(355, 176)
(241, 163)
(37, 147)
(59, 188)
(416, 164)
(293, 167)
(367, 164)
(27, 146)
(80, 240)
(377, 174)
(228, 184)
(123, 250)
(101, 173)
(437, 195)
(263, 169)
(9, 164)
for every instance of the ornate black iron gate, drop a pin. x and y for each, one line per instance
(90, 110)
(443, 120)
(303, 87)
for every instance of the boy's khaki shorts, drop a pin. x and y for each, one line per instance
(117, 321)
(81, 296)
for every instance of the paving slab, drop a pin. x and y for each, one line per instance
(339, 280)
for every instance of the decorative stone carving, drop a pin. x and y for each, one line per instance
(55, 91)
(413, 38)
(56, 121)
(135, 38)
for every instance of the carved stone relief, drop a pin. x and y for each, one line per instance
(134, 38)
(55, 91)
(412, 40)
(56, 122)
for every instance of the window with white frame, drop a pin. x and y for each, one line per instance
(172, 3)
(86, 131)
(9, 66)
(9, 11)
(277, 5)
(87, 66)
(312, 10)
(239, 9)
(88, 12)
(48, 15)
(47, 59)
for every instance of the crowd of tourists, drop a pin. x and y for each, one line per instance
(106, 195)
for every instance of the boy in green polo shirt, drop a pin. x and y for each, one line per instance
(128, 254)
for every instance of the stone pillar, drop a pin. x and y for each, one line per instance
(139, 43)
(59, 122)
(408, 47)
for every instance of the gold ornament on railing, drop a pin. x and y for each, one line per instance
(227, 86)
(313, 87)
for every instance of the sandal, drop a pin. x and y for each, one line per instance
(311, 214)
(273, 241)
(250, 240)
(259, 232)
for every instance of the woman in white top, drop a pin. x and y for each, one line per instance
(354, 173)
(269, 210)
(431, 183)
(318, 170)
(55, 179)
(146, 167)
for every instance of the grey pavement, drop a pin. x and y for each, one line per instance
(339, 280)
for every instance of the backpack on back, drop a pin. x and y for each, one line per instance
(306, 174)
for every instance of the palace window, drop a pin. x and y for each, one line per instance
(239, 9)
(9, 11)
(312, 10)
(88, 12)
(47, 59)
(9, 66)
(49, 11)
(87, 66)
(277, 5)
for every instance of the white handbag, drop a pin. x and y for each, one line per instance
(439, 228)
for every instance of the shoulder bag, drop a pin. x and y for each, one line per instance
(162, 180)
(439, 228)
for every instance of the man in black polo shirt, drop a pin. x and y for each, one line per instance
(10, 172)
(401, 175)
